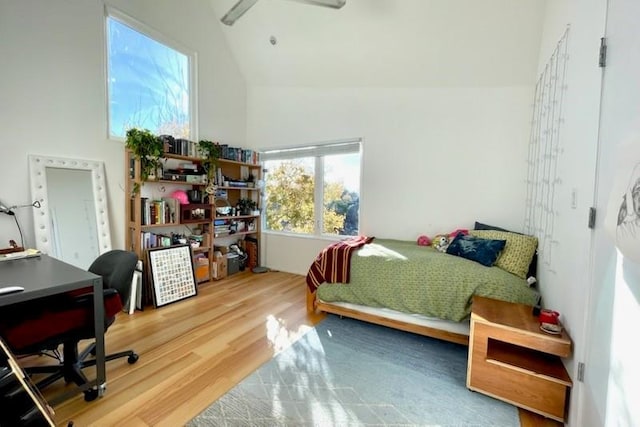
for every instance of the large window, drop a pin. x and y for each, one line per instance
(149, 82)
(314, 189)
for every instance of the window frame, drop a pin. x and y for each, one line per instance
(159, 37)
(317, 151)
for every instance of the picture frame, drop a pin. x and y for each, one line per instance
(172, 274)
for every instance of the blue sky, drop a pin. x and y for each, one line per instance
(148, 81)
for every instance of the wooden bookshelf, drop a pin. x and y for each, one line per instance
(201, 215)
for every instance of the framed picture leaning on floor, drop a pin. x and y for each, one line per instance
(172, 274)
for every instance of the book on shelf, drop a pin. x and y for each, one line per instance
(150, 240)
(163, 211)
(239, 154)
(181, 147)
(144, 217)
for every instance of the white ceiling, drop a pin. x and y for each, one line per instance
(387, 43)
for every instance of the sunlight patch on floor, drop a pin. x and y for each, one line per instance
(279, 336)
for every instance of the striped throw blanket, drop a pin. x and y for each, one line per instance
(332, 265)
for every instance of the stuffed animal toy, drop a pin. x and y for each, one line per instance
(441, 242)
(454, 233)
(424, 240)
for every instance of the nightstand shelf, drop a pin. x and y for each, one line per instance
(511, 359)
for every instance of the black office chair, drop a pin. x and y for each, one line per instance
(68, 319)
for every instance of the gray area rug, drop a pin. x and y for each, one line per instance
(350, 373)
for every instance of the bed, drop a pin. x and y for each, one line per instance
(422, 290)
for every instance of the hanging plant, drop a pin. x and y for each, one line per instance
(147, 148)
(210, 152)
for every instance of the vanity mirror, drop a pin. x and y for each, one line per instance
(73, 223)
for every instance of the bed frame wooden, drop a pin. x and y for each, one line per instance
(313, 306)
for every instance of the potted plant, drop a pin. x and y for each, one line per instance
(247, 206)
(210, 152)
(147, 148)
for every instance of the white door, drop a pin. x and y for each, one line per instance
(612, 374)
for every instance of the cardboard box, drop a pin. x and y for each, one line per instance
(222, 249)
(219, 267)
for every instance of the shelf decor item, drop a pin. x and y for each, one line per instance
(247, 206)
(172, 274)
(210, 152)
(149, 149)
(223, 207)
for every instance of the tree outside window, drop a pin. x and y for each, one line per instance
(148, 82)
(313, 195)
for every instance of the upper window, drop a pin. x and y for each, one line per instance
(313, 189)
(149, 82)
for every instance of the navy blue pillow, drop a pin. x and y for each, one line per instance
(484, 251)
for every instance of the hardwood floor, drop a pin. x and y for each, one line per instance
(194, 351)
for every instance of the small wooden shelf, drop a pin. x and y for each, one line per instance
(236, 188)
(529, 361)
(151, 226)
(237, 217)
(196, 213)
(237, 233)
(511, 359)
(179, 157)
(233, 162)
(172, 181)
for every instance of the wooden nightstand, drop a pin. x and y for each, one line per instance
(511, 359)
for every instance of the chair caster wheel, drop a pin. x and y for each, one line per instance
(133, 358)
(90, 395)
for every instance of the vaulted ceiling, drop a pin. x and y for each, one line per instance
(387, 43)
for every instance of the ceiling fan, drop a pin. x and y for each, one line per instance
(243, 5)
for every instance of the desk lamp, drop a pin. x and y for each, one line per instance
(9, 211)
(4, 209)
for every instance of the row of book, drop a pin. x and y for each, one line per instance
(221, 227)
(162, 211)
(150, 240)
(184, 147)
(187, 148)
(181, 147)
(239, 154)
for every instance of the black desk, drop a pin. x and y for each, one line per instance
(43, 276)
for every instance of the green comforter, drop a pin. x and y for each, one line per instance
(416, 279)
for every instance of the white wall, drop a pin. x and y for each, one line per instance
(52, 82)
(595, 288)
(435, 159)
(612, 389)
(387, 43)
(564, 282)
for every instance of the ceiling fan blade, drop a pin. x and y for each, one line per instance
(334, 4)
(237, 11)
